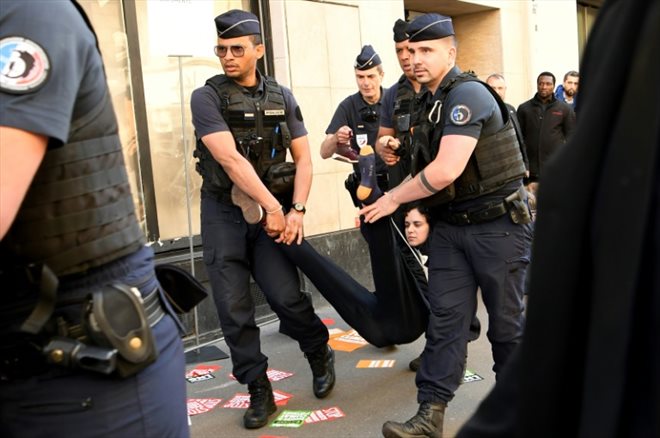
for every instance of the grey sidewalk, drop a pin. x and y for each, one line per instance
(367, 396)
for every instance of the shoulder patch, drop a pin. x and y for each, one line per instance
(460, 115)
(24, 65)
(299, 114)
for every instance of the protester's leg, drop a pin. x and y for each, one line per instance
(502, 279)
(224, 235)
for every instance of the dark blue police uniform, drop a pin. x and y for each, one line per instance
(78, 219)
(234, 249)
(491, 255)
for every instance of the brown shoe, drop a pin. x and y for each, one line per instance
(252, 211)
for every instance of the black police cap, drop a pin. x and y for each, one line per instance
(367, 58)
(236, 23)
(430, 27)
(399, 30)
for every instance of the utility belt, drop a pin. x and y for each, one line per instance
(514, 205)
(113, 336)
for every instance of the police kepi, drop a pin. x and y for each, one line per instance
(237, 23)
(430, 27)
(368, 58)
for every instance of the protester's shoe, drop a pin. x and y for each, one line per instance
(262, 403)
(252, 211)
(368, 191)
(322, 363)
(346, 154)
(426, 423)
(415, 363)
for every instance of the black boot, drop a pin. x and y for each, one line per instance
(322, 363)
(262, 403)
(415, 363)
(426, 423)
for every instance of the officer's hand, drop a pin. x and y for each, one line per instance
(344, 135)
(385, 206)
(274, 223)
(385, 147)
(294, 228)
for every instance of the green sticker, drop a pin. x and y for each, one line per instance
(291, 419)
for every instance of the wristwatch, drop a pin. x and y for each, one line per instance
(299, 207)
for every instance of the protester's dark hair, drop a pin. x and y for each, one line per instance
(571, 73)
(423, 210)
(546, 73)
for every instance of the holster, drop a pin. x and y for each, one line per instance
(518, 208)
(182, 290)
(114, 317)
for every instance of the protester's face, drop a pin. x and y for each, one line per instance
(405, 62)
(571, 85)
(498, 85)
(417, 228)
(368, 82)
(432, 60)
(240, 68)
(545, 87)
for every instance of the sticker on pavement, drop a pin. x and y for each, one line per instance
(327, 414)
(367, 363)
(347, 341)
(281, 397)
(201, 405)
(469, 376)
(291, 419)
(273, 375)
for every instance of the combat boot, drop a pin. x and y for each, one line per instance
(262, 403)
(322, 363)
(426, 423)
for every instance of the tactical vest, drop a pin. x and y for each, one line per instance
(258, 126)
(78, 212)
(403, 106)
(496, 159)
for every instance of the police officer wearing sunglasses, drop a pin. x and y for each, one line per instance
(244, 124)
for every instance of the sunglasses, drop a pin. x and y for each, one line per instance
(221, 51)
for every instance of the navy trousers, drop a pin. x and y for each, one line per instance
(69, 403)
(233, 250)
(492, 256)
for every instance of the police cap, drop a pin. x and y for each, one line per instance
(430, 27)
(367, 58)
(400, 30)
(236, 23)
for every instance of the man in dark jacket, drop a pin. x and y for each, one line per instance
(546, 124)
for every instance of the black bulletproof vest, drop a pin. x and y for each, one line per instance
(78, 212)
(258, 126)
(496, 160)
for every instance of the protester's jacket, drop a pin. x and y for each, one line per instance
(545, 127)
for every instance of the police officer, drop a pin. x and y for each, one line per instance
(355, 125)
(481, 233)
(244, 123)
(71, 245)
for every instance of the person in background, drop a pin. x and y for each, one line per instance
(235, 159)
(88, 345)
(546, 125)
(568, 91)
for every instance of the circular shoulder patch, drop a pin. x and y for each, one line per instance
(24, 65)
(460, 115)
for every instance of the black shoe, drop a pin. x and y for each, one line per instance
(322, 363)
(426, 423)
(415, 363)
(262, 403)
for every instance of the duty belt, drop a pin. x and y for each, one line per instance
(487, 214)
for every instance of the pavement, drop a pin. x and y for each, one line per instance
(362, 400)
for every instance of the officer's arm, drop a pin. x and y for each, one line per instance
(303, 159)
(332, 141)
(21, 153)
(453, 156)
(222, 147)
(386, 145)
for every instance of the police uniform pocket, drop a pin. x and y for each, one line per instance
(209, 256)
